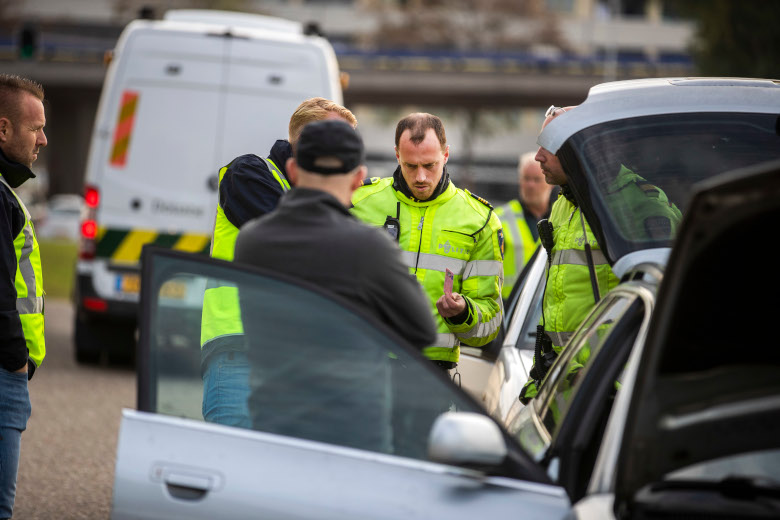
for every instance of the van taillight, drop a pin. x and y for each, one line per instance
(91, 196)
(87, 244)
(89, 229)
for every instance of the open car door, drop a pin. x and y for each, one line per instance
(347, 438)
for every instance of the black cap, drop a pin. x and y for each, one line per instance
(329, 147)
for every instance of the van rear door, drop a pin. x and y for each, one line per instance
(267, 78)
(162, 154)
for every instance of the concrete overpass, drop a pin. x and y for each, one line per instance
(73, 75)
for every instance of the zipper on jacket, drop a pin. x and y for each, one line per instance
(419, 245)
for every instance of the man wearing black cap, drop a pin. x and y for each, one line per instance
(331, 247)
(312, 236)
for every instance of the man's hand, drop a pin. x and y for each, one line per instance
(450, 303)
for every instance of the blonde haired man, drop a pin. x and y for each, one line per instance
(249, 187)
(317, 109)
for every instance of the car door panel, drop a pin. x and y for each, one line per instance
(169, 467)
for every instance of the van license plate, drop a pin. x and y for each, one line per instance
(129, 283)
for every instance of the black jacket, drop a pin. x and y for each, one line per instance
(312, 236)
(13, 349)
(248, 188)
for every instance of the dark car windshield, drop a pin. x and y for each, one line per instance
(635, 176)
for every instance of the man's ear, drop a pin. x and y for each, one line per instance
(360, 176)
(292, 171)
(397, 157)
(446, 153)
(5, 129)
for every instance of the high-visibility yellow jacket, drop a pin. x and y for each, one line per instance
(28, 282)
(221, 317)
(455, 230)
(642, 210)
(519, 245)
(569, 294)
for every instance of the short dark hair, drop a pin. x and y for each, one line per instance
(418, 124)
(11, 86)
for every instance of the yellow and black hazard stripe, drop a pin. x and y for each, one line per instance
(123, 246)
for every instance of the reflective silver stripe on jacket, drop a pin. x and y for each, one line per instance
(441, 263)
(31, 304)
(446, 340)
(578, 257)
(277, 173)
(559, 338)
(483, 268)
(433, 262)
(483, 330)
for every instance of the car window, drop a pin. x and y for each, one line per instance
(640, 172)
(318, 368)
(564, 378)
(527, 338)
(524, 307)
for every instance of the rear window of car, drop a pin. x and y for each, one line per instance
(640, 172)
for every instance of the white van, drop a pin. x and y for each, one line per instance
(183, 96)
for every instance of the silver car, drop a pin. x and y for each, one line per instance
(412, 444)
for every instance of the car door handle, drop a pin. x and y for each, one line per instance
(186, 482)
(187, 486)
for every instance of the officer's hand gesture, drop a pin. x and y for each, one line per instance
(450, 303)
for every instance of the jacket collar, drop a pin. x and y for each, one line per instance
(13, 172)
(566, 192)
(280, 152)
(301, 197)
(442, 193)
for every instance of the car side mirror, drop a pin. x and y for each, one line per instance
(466, 439)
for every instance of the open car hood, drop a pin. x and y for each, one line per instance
(633, 150)
(708, 382)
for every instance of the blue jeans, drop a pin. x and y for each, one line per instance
(226, 389)
(14, 413)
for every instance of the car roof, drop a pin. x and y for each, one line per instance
(642, 97)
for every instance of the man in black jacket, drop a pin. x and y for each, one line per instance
(313, 237)
(249, 187)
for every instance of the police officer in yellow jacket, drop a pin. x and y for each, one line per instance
(22, 345)
(440, 227)
(570, 293)
(249, 187)
(519, 219)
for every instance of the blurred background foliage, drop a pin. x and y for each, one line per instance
(735, 37)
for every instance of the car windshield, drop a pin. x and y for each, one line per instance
(315, 367)
(636, 175)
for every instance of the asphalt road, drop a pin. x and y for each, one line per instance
(68, 451)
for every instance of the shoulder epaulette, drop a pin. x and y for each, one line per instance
(368, 181)
(483, 201)
(649, 189)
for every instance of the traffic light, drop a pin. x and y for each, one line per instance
(28, 43)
